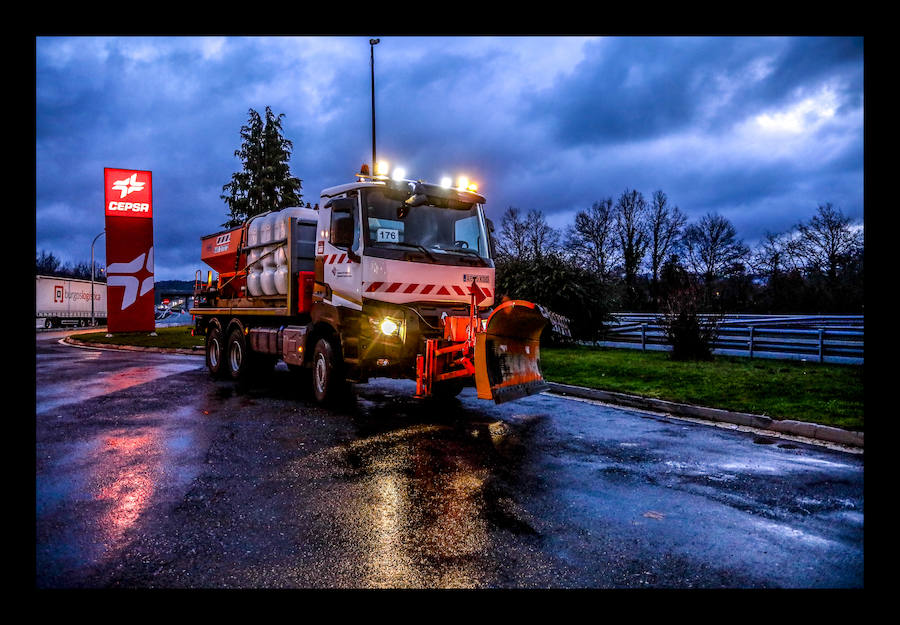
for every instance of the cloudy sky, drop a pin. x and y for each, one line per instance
(760, 130)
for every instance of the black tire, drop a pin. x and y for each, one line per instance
(446, 389)
(215, 353)
(238, 361)
(301, 379)
(327, 373)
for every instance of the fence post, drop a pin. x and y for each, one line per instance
(821, 344)
(644, 337)
(751, 341)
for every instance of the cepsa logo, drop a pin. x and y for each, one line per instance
(128, 193)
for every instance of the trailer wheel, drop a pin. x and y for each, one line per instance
(215, 353)
(328, 376)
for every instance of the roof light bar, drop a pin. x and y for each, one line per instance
(382, 170)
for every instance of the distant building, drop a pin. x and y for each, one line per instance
(176, 292)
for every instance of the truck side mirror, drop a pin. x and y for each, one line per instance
(490, 227)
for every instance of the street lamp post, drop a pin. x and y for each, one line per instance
(93, 321)
(372, 43)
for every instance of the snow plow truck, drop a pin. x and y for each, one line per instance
(384, 278)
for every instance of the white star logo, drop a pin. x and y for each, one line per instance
(128, 185)
(130, 282)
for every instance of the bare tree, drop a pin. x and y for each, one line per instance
(46, 263)
(828, 242)
(592, 240)
(512, 240)
(541, 237)
(665, 225)
(631, 231)
(775, 254)
(712, 247)
(525, 238)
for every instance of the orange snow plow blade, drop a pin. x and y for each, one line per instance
(507, 353)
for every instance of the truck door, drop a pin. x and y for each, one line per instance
(341, 266)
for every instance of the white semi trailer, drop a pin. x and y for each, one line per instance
(67, 301)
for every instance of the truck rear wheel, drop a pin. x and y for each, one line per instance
(328, 376)
(237, 357)
(215, 351)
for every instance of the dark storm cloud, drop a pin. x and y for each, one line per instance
(634, 88)
(623, 90)
(758, 129)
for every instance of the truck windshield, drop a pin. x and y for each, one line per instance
(444, 235)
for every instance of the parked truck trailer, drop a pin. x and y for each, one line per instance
(388, 278)
(67, 301)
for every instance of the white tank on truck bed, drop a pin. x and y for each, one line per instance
(267, 262)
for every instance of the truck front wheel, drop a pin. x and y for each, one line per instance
(447, 389)
(328, 378)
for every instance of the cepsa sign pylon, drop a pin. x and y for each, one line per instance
(128, 195)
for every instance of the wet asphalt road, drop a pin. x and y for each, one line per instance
(149, 474)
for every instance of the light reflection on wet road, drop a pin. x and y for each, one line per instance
(155, 476)
(49, 392)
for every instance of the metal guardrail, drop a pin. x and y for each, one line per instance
(826, 338)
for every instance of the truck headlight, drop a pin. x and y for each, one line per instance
(389, 327)
(386, 326)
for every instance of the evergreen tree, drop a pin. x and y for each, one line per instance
(265, 183)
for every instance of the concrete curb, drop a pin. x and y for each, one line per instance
(195, 351)
(784, 426)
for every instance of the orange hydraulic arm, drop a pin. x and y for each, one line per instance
(502, 352)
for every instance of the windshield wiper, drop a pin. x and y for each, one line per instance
(460, 250)
(463, 250)
(415, 246)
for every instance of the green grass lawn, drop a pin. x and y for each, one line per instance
(177, 336)
(780, 389)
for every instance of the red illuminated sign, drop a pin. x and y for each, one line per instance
(128, 193)
(128, 197)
